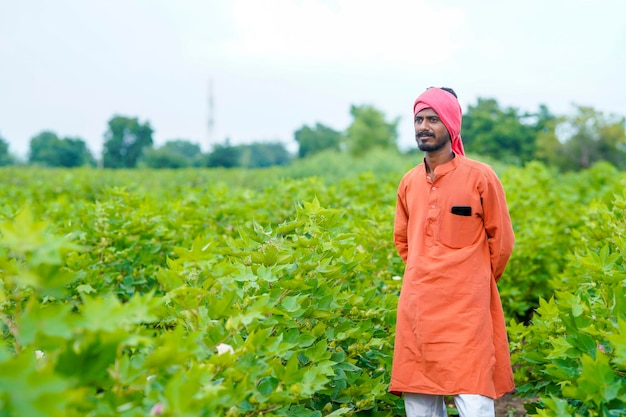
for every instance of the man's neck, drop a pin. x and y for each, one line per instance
(434, 159)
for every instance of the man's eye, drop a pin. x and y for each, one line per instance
(433, 119)
(419, 119)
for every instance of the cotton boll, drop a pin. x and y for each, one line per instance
(224, 348)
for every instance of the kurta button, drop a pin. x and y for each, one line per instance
(434, 188)
(433, 206)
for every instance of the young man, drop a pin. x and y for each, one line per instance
(453, 231)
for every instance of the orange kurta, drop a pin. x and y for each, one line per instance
(450, 333)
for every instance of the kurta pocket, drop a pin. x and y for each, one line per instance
(457, 231)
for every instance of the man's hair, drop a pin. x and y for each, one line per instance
(448, 89)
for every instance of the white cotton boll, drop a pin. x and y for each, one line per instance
(39, 354)
(397, 278)
(224, 348)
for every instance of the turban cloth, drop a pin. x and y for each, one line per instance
(448, 109)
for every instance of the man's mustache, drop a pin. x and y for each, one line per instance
(424, 134)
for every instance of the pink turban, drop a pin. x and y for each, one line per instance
(448, 109)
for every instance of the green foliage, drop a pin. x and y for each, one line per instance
(546, 209)
(314, 140)
(125, 140)
(199, 292)
(159, 158)
(542, 239)
(252, 155)
(548, 148)
(184, 148)
(587, 137)
(503, 133)
(5, 156)
(333, 166)
(224, 155)
(574, 349)
(261, 155)
(229, 304)
(173, 154)
(47, 149)
(369, 130)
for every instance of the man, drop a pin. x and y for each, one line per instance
(453, 231)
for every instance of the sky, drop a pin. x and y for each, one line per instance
(273, 66)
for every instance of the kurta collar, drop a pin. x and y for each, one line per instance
(447, 167)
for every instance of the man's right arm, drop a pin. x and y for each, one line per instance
(400, 225)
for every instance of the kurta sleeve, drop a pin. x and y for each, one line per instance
(497, 225)
(400, 225)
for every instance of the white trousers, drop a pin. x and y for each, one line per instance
(469, 405)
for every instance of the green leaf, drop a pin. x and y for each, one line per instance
(618, 342)
(44, 320)
(347, 366)
(23, 235)
(598, 382)
(85, 289)
(34, 391)
(267, 385)
(340, 412)
(109, 314)
(556, 407)
(292, 305)
(199, 251)
(301, 411)
(87, 360)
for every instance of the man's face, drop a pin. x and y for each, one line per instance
(430, 133)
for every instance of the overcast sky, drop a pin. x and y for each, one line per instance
(276, 65)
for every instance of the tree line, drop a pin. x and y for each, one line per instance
(567, 142)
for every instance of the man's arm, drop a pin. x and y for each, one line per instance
(400, 226)
(497, 225)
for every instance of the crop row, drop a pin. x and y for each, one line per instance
(211, 293)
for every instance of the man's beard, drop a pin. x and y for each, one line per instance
(429, 146)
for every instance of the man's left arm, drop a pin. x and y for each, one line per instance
(497, 225)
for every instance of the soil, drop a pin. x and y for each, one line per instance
(510, 406)
(506, 406)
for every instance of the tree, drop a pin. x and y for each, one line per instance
(314, 140)
(125, 141)
(47, 149)
(589, 136)
(261, 155)
(548, 148)
(501, 133)
(44, 149)
(184, 148)
(5, 157)
(162, 158)
(253, 155)
(369, 130)
(225, 155)
(173, 154)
